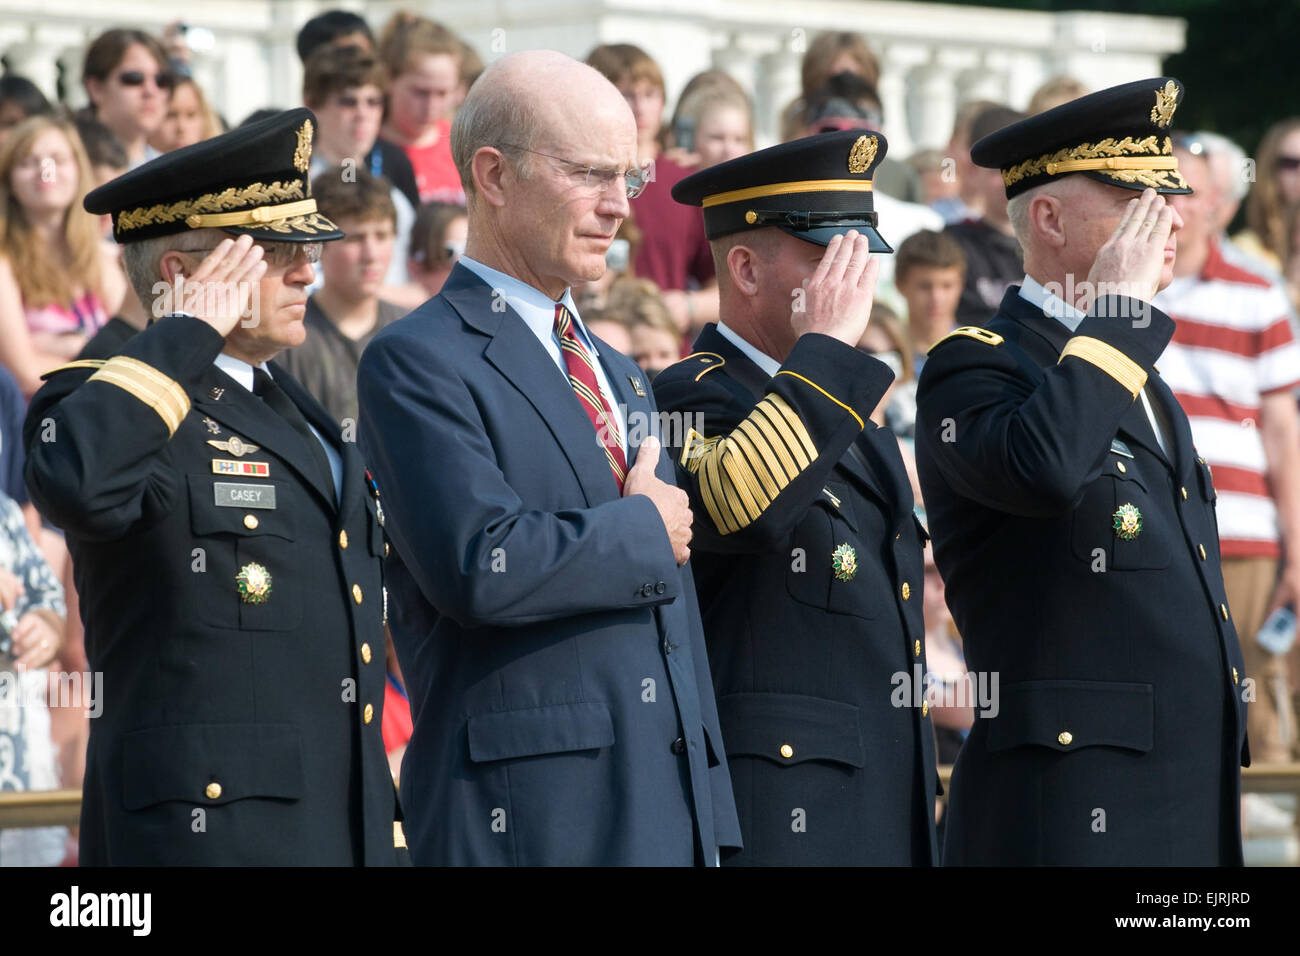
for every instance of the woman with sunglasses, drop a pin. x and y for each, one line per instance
(1277, 186)
(58, 281)
(129, 82)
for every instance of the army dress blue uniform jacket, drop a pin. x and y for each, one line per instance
(551, 646)
(1082, 568)
(788, 477)
(233, 731)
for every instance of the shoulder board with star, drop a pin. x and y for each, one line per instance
(704, 363)
(972, 332)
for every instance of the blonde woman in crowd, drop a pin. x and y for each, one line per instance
(58, 282)
(189, 119)
(1277, 186)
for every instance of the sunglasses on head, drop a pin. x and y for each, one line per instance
(164, 81)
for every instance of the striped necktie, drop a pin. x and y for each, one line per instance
(582, 378)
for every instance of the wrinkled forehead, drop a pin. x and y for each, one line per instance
(600, 129)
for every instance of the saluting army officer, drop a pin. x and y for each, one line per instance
(807, 554)
(227, 546)
(1074, 522)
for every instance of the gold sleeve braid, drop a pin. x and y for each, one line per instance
(741, 474)
(149, 385)
(1107, 358)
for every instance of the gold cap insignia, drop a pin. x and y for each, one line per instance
(254, 583)
(844, 562)
(302, 153)
(862, 154)
(1128, 521)
(1162, 114)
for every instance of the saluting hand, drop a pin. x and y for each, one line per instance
(1132, 259)
(674, 504)
(227, 277)
(838, 297)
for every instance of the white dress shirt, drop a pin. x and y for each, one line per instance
(1032, 291)
(242, 373)
(764, 361)
(537, 309)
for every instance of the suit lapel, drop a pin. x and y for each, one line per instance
(221, 398)
(1182, 430)
(319, 418)
(637, 416)
(517, 354)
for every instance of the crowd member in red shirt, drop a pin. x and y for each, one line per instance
(674, 251)
(424, 59)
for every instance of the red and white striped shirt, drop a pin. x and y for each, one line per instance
(1233, 343)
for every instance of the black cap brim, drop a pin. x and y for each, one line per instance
(822, 235)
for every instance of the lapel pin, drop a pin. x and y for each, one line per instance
(216, 392)
(213, 427)
(637, 386)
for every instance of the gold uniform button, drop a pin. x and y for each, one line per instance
(787, 751)
(212, 791)
(365, 653)
(368, 714)
(925, 708)
(356, 593)
(907, 590)
(1184, 491)
(343, 539)
(916, 648)
(1234, 676)
(1064, 738)
(1223, 609)
(1120, 466)
(250, 522)
(1201, 548)
(385, 549)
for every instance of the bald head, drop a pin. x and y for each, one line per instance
(534, 99)
(544, 145)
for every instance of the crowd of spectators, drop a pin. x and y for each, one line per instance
(382, 168)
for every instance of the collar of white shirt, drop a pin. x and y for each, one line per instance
(534, 306)
(764, 361)
(238, 369)
(1031, 290)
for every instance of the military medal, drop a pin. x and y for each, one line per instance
(235, 445)
(1128, 522)
(254, 583)
(844, 561)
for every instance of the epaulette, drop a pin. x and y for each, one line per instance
(707, 361)
(79, 363)
(973, 332)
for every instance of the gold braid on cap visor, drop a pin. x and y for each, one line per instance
(1128, 160)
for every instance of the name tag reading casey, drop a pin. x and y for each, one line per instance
(229, 494)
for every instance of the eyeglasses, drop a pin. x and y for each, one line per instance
(599, 179)
(164, 81)
(280, 255)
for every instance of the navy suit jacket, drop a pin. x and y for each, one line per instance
(552, 648)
